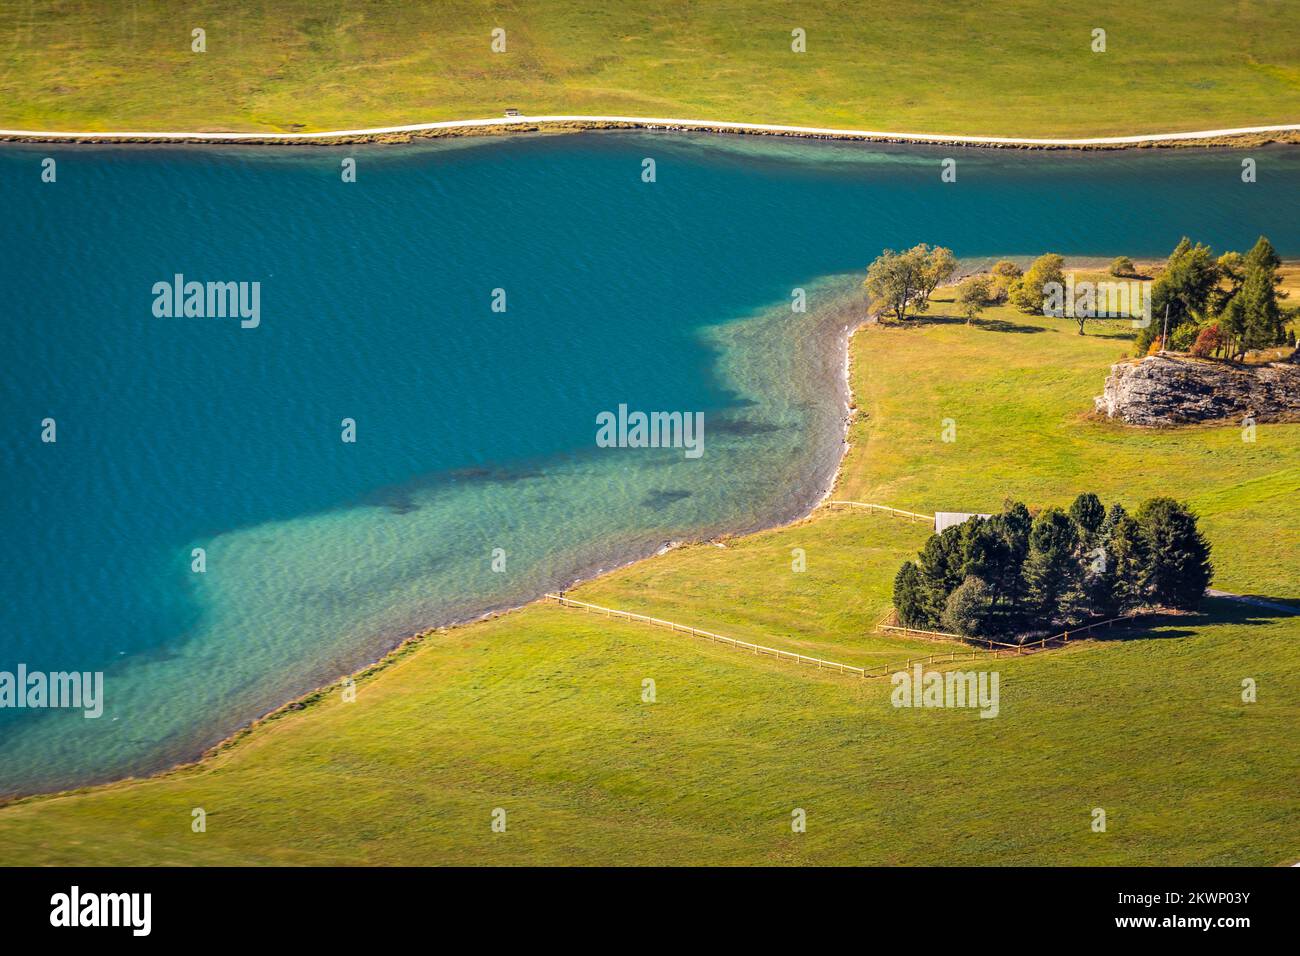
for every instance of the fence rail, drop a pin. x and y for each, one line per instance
(929, 635)
(998, 646)
(911, 515)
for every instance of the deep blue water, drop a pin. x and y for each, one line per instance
(475, 429)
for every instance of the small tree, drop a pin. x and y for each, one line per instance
(1178, 556)
(1127, 564)
(1088, 514)
(1232, 269)
(1099, 584)
(1122, 267)
(969, 609)
(909, 599)
(1028, 293)
(1004, 577)
(1184, 337)
(940, 567)
(1093, 597)
(994, 554)
(892, 282)
(940, 266)
(973, 295)
(1186, 287)
(1253, 319)
(1003, 276)
(1051, 568)
(1208, 341)
(903, 281)
(1113, 514)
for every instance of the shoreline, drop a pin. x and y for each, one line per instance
(1237, 137)
(848, 412)
(780, 518)
(205, 759)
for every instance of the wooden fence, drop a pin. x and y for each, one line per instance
(889, 623)
(882, 509)
(997, 646)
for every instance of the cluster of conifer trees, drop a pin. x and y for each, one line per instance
(1236, 295)
(1017, 572)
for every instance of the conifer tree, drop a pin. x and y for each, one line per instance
(1178, 556)
(1253, 319)
(1126, 561)
(1051, 567)
(909, 600)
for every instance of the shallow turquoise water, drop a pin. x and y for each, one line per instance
(475, 428)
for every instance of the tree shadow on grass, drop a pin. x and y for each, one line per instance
(1121, 329)
(1002, 325)
(987, 325)
(1212, 611)
(1291, 602)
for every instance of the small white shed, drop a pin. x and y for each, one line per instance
(946, 519)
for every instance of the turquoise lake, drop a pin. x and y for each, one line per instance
(475, 429)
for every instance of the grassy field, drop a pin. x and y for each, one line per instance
(1010, 68)
(539, 712)
(1027, 431)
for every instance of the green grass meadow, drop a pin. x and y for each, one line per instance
(540, 712)
(1024, 67)
(1020, 391)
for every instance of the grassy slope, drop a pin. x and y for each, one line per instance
(749, 591)
(539, 712)
(1021, 67)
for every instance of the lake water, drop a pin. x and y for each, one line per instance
(475, 429)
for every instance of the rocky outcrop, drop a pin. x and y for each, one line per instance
(1162, 390)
